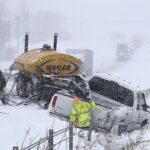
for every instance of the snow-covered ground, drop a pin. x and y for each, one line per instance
(16, 121)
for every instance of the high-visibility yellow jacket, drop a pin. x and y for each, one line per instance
(81, 114)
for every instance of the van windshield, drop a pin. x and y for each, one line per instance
(112, 90)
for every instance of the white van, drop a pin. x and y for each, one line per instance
(119, 108)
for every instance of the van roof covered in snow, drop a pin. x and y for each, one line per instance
(121, 82)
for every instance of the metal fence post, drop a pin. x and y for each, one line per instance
(15, 148)
(50, 140)
(71, 138)
(90, 133)
(90, 128)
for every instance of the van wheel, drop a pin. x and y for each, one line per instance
(122, 128)
(144, 123)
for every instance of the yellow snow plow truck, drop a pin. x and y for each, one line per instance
(34, 64)
(47, 61)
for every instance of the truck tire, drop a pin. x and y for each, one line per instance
(20, 88)
(48, 96)
(29, 89)
(24, 88)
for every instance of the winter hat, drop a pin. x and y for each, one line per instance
(75, 100)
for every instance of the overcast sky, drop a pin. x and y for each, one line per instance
(100, 9)
(128, 10)
(97, 16)
(87, 23)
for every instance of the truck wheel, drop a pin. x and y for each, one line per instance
(20, 88)
(29, 89)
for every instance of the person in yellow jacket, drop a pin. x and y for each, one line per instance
(81, 113)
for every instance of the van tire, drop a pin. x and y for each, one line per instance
(121, 129)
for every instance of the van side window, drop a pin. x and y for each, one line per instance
(112, 90)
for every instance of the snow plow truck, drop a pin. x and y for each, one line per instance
(34, 64)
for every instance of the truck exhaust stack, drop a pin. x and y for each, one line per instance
(26, 42)
(55, 41)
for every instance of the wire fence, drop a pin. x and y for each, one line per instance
(49, 140)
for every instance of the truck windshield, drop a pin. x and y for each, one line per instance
(122, 47)
(112, 90)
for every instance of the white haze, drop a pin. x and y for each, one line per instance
(86, 21)
(82, 24)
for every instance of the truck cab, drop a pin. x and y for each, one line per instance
(123, 51)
